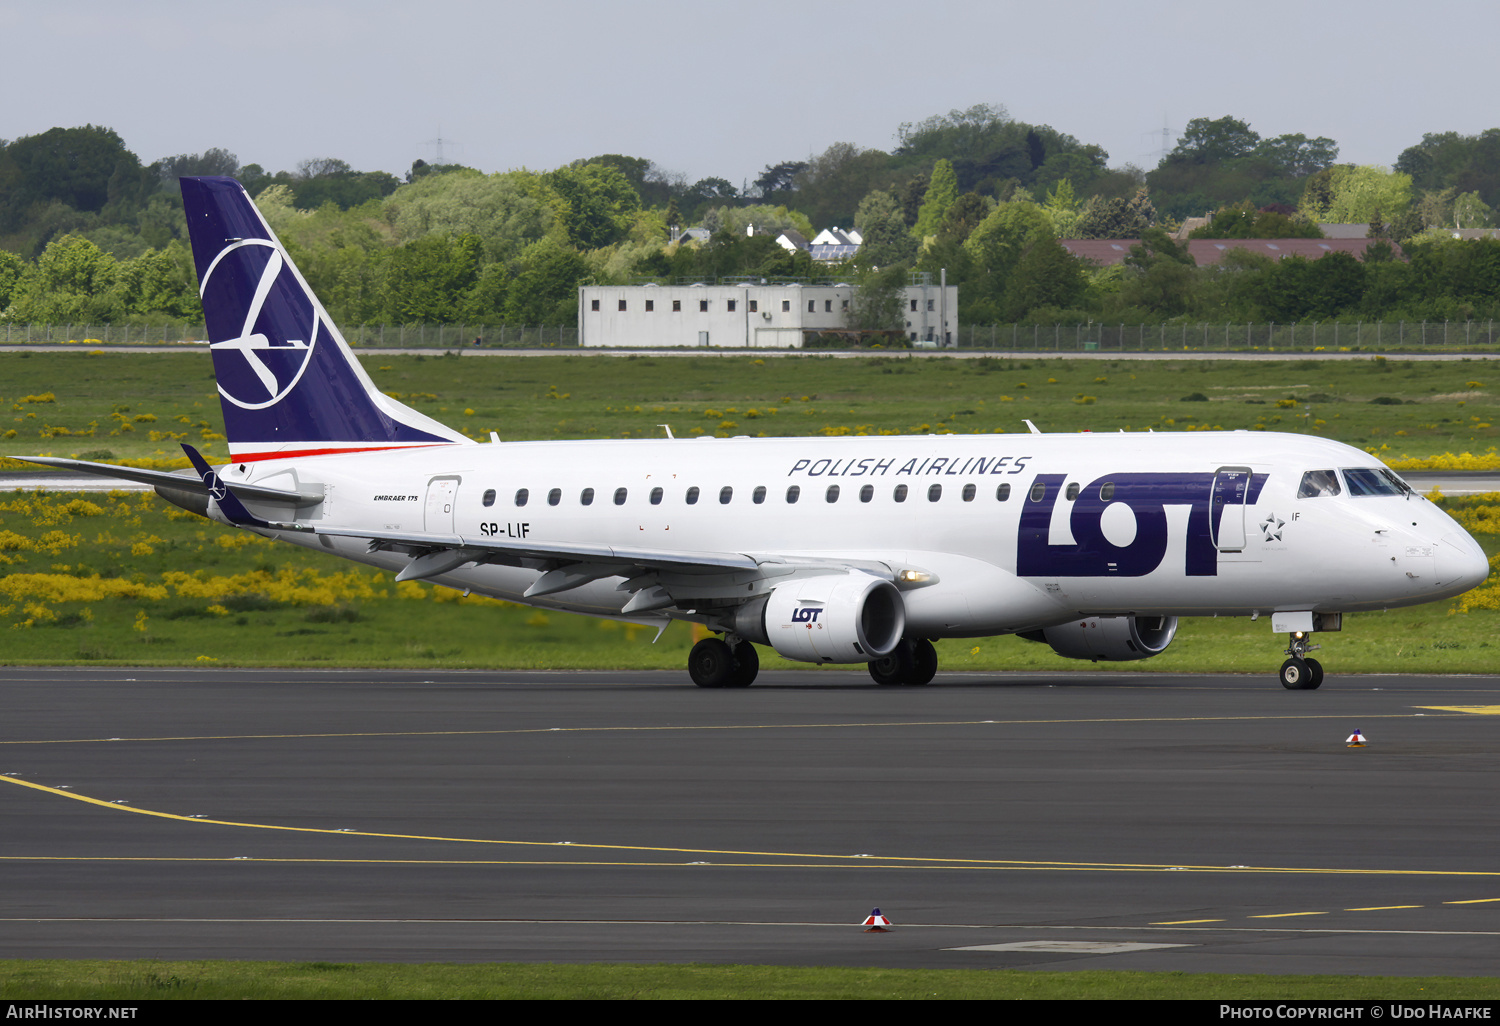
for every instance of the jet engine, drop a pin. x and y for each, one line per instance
(832, 618)
(1112, 638)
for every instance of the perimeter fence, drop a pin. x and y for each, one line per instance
(1325, 336)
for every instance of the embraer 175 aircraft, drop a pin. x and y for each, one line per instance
(829, 550)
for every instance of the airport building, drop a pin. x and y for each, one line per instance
(745, 314)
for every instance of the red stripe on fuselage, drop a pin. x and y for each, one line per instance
(288, 454)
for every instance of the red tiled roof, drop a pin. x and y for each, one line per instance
(1212, 251)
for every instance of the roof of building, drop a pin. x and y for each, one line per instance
(1212, 251)
(1346, 231)
(1190, 225)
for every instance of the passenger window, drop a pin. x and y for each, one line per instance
(1317, 483)
(759, 495)
(1038, 492)
(1106, 491)
(832, 495)
(692, 495)
(899, 494)
(934, 493)
(867, 493)
(793, 493)
(522, 495)
(1002, 493)
(970, 491)
(489, 496)
(725, 494)
(586, 497)
(1072, 492)
(656, 494)
(554, 497)
(620, 494)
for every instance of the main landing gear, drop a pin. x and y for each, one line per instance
(1299, 673)
(713, 663)
(910, 662)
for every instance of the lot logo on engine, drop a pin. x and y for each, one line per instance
(807, 614)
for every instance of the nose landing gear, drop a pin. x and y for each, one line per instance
(1299, 673)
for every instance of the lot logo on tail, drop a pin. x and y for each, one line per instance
(277, 338)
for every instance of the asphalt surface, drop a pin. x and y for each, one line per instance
(1050, 821)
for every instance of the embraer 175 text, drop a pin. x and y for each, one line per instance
(829, 550)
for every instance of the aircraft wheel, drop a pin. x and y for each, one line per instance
(711, 664)
(1315, 674)
(896, 667)
(746, 666)
(924, 662)
(1296, 675)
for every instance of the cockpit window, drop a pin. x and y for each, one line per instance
(1363, 481)
(1317, 483)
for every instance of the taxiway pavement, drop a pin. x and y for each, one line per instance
(1058, 821)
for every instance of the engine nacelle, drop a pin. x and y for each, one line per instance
(833, 618)
(1115, 638)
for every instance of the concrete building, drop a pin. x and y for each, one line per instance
(741, 314)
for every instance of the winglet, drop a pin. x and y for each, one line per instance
(229, 504)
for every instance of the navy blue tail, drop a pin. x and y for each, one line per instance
(288, 382)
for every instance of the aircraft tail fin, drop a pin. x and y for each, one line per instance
(288, 382)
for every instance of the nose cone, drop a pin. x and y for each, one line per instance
(1460, 563)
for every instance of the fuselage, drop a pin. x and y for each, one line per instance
(1013, 531)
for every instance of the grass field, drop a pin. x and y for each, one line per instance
(136, 405)
(154, 981)
(128, 579)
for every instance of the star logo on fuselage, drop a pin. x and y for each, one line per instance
(1271, 527)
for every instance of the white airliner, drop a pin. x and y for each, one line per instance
(829, 550)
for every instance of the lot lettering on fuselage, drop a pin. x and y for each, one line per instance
(1147, 496)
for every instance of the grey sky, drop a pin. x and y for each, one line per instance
(714, 89)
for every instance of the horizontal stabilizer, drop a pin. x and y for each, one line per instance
(183, 480)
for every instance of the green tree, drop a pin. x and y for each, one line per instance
(545, 287)
(830, 189)
(880, 222)
(878, 299)
(1345, 194)
(1206, 141)
(995, 247)
(11, 268)
(160, 283)
(73, 281)
(1046, 276)
(507, 211)
(942, 193)
(601, 205)
(428, 280)
(75, 166)
(1117, 218)
(1469, 211)
(1164, 277)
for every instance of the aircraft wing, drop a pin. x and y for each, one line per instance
(656, 578)
(516, 553)
(186, 481)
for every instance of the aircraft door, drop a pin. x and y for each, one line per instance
(1227, 517)
(442, 493)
